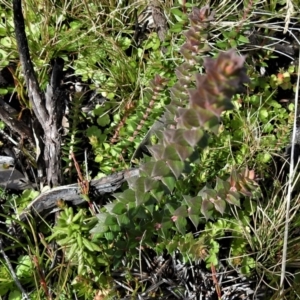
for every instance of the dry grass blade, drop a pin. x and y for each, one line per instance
(290, 189)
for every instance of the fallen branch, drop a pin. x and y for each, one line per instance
(47, 201)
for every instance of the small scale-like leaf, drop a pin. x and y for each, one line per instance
(181, 224)
(109, 236)
(119, 208)
(169, 135)
(181, 211)
(243, 39)
(131, 183)
(193, 136)
(150, 184)
(172, 246)
(169, 182)
(187, 118)
(170, 153)
(140, 185)
(115, 228)
(206, 114)
(222, 185)
(231, 198)
(159, 192)
(71, 251)
(99, 228)
(184, 152)
(195, 220)
(220, 205)
(176, 167)
(101, 217)
(127, 196)
(141, 197)
(160, 169)
(148, 167)
(157, 151)
(123, 220)
(110, 220)
(211, 193)
(150, 208)
(194, 205)
(206, 208)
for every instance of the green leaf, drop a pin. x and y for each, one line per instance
(176, 28)
(263, 114)
(178, 14)
(25, 266)
(109, 236)
(172, 246)
(181, 224)
(147, 168)
(248, 263)
(220, 205)
(6, 42)
(212, 259)
(159, 192)
(233, 43)
(2, 31)
(75, 24)
(222, 185)
(150, 184)
(139, 184)
(71, 251)
(222, 45)
(125, 197)
(195, 220)
(206, 208)
(233, 198)
(170, 153)
(157, 151)
(103, 120)
(15, 295)
(141, 197)
(194, 204)
(115, 228)
(169, 182)
(243, 39)
(99, 228)
(123, 220)
(3, 92)
(119, 208)
(176, 167)
(184, 152)
(110, 220)
(180, 212)
(193, 136)
(160, 169)
(230, 34)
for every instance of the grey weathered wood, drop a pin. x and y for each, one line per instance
(46, 106)
(47, 201)
(7, 160)
(8, 116)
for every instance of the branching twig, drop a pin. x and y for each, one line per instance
(34, 92)
(46, 107)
